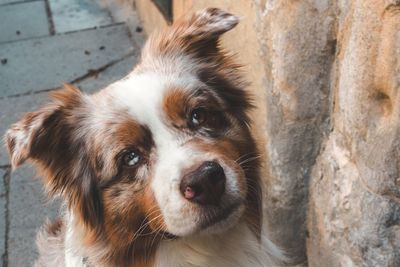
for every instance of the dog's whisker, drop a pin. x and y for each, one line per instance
(249, 160)
(246, 155)
(145, 222)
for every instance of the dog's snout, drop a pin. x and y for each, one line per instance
(205, 185)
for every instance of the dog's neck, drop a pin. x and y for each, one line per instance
(238, 246)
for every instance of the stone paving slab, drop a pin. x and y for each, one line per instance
(23, 20)
(45, 63)
(6, 2)
(110, 75)
(2, 215)
(73, 15)
(28, 210)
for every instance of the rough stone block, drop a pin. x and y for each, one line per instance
(28, 210)
(22, 21)
(73, 15)
(44, 63)
(354, 199)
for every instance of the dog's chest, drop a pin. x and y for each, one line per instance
(238, 248)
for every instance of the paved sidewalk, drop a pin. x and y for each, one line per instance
(44, 43)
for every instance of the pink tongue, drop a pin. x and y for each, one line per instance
(189, 193)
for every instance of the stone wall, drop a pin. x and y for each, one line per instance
(326, 76)
(354, 208)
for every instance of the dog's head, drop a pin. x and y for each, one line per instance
(167, 149)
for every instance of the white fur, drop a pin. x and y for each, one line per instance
(238, 248)
(73, 257)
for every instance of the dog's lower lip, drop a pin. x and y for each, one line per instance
(168, 236)
(220, 216)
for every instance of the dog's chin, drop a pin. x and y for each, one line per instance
(220, 222)
(212, 220)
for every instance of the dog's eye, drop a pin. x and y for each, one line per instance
(131, 158)
(198, 117)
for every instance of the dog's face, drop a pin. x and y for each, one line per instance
(167, 149)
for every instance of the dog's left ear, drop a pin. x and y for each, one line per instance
(37, 133)
(46, 138)
(197, 34)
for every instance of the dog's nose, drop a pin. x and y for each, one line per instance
(205, 185)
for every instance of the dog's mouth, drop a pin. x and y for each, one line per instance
(214, 216)
(168, 236)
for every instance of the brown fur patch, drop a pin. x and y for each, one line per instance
(178, 105)
(54, 228)
(117, 136)
(175, 106)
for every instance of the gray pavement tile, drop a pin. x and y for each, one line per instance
(22, 21)
(11, 111)
(6, 2)
(108, 76)
(2, 215)
(45, 63)
(73, 15)
(28, 210)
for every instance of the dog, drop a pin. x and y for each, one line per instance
(159, 169)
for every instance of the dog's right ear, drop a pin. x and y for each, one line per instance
(196, 34)
(26, 138)
(205, 24)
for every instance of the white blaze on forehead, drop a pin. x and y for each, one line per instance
(143, 96)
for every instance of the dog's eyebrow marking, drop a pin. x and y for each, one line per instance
(132, 133)
(175, 104)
